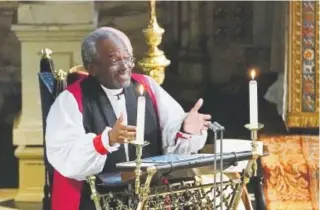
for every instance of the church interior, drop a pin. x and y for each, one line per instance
(210, 47)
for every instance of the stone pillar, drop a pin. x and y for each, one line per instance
(192, 56)
(9, 93)
(61, 27)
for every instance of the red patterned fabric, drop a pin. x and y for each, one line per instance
(291, 172)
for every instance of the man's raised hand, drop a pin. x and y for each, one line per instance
(121, 133)
(195, 122)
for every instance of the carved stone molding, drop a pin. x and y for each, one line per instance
(52, 32)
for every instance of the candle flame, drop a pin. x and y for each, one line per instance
(253, 74)
(141, 89)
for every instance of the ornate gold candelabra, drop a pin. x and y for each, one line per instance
(138, 167)
(142, 191)
(94, 194)
(251, 169)
(137, 171)
(154, 62)
(255, 152)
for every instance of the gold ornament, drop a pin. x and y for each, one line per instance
(154, 62)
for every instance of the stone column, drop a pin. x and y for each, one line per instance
(59, 26)
(9, 93)
(192, 55)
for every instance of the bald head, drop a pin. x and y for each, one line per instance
(107, 55)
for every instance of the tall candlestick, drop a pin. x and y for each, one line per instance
(141, 109)
(253, 94)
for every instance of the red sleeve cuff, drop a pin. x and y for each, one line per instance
(182, 136)
(98, 145)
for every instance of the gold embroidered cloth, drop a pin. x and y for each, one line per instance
(291, 172)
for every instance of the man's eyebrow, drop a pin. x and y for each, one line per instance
(120, 52)
(112, 53)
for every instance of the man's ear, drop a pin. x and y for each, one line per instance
(92, 69)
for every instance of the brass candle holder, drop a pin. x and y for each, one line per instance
(251, 169)
(154, 62)
(137, 171)
(254, 137)
(94, 194)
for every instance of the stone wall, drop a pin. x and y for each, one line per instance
(10, 75)
(10, 93)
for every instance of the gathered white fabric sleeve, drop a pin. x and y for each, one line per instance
(70, 150)
(171, 116)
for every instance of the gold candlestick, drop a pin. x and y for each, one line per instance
(137, 171)
(251, 169)
(94, 194)
(254, 138)
(154, 62)
(138, 167)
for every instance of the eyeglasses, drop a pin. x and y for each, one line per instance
(128, 61)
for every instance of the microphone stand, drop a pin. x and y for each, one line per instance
(218, 129)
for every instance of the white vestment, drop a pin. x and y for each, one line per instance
(70, 149)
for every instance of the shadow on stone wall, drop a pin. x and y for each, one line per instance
(10, 98)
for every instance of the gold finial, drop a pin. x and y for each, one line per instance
(154, 61)
(60, 74)
(46, 53)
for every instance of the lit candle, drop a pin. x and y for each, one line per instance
(253, 94)
(141, 107)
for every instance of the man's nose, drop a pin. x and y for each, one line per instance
(123, 64)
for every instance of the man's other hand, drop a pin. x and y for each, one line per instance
(121, 133)
(195, 122)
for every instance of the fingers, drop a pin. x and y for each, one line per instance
(130, 128)
(206, 116)
(119, 120)
(197, 106)
(128, 135)
(206, 123)
(122, 139)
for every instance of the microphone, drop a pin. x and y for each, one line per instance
(221, 128)
(215, 127)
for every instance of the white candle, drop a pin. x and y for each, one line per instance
(253, 94)
(141, 109)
